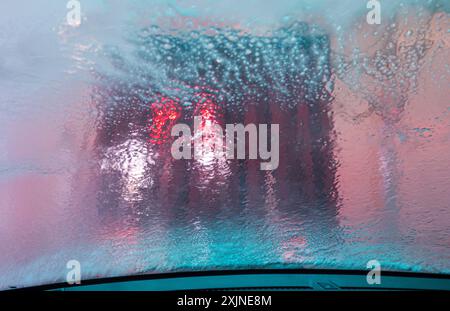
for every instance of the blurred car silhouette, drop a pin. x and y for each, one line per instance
(226, 77)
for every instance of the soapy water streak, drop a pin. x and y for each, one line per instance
(386, 73)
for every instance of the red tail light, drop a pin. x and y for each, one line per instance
(207, 108)
(165, 113)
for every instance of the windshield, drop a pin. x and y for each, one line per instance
(111, 158)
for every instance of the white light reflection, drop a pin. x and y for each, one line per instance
(131, 159)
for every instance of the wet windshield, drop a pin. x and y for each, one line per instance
(118, 153)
